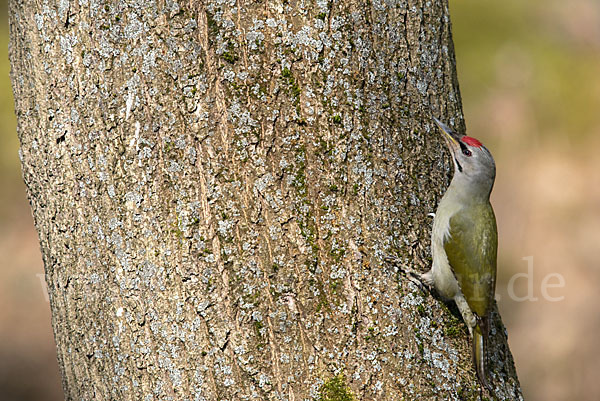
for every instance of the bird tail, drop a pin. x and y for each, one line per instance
(480, 337)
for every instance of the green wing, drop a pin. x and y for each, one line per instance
(472, 249)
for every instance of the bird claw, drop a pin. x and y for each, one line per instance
(414, 276)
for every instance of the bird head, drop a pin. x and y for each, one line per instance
(473, 162)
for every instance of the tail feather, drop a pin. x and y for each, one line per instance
(480, 336)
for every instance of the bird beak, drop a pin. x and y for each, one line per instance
(450, 136)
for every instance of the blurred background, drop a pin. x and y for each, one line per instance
(529, 73)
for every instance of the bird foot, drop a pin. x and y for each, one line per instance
(427, 278)
(413, 275)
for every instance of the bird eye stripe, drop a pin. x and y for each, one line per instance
(458, 165)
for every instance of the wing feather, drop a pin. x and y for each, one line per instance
(472, 248)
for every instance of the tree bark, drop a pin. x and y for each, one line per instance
(216, 185)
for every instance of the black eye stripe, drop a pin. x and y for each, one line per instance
(464, 149)
(458, 165)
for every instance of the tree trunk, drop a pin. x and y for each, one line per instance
(216, 186)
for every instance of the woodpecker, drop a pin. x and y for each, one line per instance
(464, 241)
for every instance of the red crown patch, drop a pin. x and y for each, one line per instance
(471, 141)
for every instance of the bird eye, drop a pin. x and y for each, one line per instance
(467, 152)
